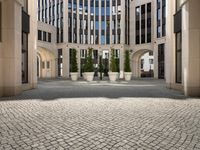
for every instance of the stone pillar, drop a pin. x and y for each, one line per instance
(11, 47)
(32, 44)
(121, 67)
(155, 62)
(122, 22)
(191, 47)
(66, 62)
(65, 21)
(170, 45)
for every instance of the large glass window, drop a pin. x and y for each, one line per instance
(178, 58)
(60, 63)
(39, 35)
(148, 22)
(163, 17)
(143, 24)
(158, 19)
(49, 37)
(137, 26)
(24, 57)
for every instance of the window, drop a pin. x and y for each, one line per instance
(48, 64)
(43, 65)
(148, 22)
(49, 37)
(60, 63)
(39, 35)
(116, 53)
(151, 61)
(178, 58)
(83, 53)
(24, 57)
(158, 19)
(44, 36)
(163, 17)
(137, 25)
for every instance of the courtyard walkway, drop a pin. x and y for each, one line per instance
(60, 114)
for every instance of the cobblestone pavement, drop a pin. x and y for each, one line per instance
(141, 115)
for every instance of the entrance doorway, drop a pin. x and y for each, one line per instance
(105, 62)
(143, 63)
(161, 61)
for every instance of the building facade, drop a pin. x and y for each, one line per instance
(140, 26)
(102, 25)
(18, 26)
(183, 49)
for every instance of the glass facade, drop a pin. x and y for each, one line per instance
(88, 21)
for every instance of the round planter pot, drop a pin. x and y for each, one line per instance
(74, 76)
(113, 76)
(89, 76)
(127, 76)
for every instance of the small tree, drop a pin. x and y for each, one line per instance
(113, 65)
(74, 64)
(127, 67)
(88, 67)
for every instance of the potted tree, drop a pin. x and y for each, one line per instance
(113, 74)
(88, 67)
(74, 66)
(127, 68)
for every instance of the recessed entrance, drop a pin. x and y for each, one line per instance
(143, 64)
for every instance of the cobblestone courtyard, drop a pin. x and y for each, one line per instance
(141, 115)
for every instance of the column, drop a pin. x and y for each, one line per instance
(66, 62)
(11, 47)
(32, 42)
(155, 61)
(191, 48)
(121, 63)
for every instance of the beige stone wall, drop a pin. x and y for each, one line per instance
(192, 83)
(190, 47)
(47, 51)
(10, 58)
(32, 46)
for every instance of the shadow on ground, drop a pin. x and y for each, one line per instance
(56, 89)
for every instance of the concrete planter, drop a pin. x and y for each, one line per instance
(84, 77)
(127, 76)
(74, 76)
(113, 76)
(89, 76)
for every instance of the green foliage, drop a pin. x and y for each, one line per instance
(127, 67)
(74, 64)
(113, 65)
(88, 67)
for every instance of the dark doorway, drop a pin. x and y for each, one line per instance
(105, 62)
(161, 61)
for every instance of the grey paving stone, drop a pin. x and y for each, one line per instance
(100, 115)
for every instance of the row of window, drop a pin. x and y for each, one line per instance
(143, 24)
(94, 23)
(44, 36)
(46, 65)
